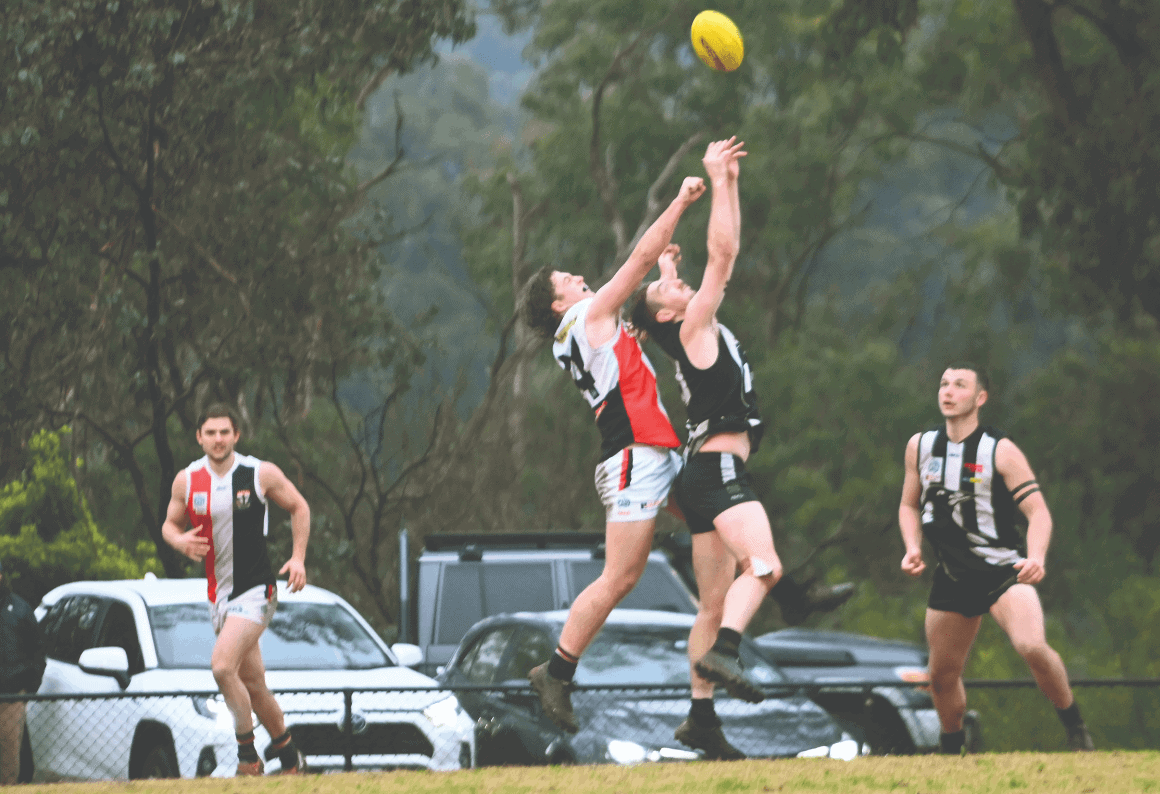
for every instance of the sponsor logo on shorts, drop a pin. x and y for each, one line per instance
(242, 500)
(623, 502)
(200, 503)
(651, 505)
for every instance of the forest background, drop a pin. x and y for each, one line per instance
(323, 215)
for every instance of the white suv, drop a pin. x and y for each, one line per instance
(154, 636)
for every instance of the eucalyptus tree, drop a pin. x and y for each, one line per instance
(174, 204)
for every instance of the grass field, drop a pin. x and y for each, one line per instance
(1092, 773)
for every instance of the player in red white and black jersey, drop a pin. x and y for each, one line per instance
(729, 526)
(965, 485)
(224, 496)
(637, 463)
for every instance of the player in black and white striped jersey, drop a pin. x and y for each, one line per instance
(965, 488)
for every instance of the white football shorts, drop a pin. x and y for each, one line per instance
(256, 605)
(634, 483)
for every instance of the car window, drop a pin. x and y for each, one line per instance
(517, 587)
(460, 602)
(69, 627)
(472, 591)
(480, 664)
(657, 588)
(530, 648)
(653, 655)
(302, 636)
(119, 630)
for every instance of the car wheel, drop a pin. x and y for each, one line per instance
(159, 762)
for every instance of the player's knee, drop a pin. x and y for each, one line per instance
(222, 668)
(1032, 651)
(766, 570)
(620, 584)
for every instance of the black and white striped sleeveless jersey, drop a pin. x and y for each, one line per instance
(968, 514)
(719, 399)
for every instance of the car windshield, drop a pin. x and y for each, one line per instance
(301, 636)
(654, 655)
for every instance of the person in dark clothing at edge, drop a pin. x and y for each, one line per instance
(963, 484)
(21, 669)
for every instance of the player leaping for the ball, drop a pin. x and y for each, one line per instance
(637, 459)
(729, 526)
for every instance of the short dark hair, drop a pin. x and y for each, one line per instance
(536, 307)
(981, 376)
(217, 411)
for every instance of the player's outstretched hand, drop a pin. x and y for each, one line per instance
(721, 157)
(297, 574)
(1030, 571)
(691, 189)
(192, 545)
(912, 564)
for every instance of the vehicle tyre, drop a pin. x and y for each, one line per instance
(159, 761)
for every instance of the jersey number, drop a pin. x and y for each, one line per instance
(574, 363)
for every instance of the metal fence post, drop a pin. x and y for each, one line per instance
(348, 731)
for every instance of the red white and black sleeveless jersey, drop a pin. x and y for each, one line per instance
(618, 381)
(968, 514)
(718, 399)
(231, 513)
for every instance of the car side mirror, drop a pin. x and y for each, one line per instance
(408, 655)
(109, 660)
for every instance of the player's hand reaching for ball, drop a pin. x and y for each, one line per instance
(668, 260)
(912, 564)
(296, 571)
(691, 189)
(192, 545)
(721, 157)
(1031, 571)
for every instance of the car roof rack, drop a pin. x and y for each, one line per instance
(475, 542)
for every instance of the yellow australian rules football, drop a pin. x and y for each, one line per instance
(717, 41)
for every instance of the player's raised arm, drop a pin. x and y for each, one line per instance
(724, 233)
(606, 305)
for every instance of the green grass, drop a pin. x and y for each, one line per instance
(1094, 773)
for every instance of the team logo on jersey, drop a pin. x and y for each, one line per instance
(242, 500)
(562, 334)
(200, 503)
(933, 471)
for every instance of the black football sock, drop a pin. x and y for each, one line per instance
(246, 752)
(728, 642)
(952, 743)
(562, 665)
(1070, 716)
(703, 713)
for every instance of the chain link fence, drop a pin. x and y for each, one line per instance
(123, 735)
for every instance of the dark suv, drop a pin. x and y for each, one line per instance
(463, 578)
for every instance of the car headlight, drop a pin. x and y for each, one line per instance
(214, 708)
(914, 675)
(443, 714)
